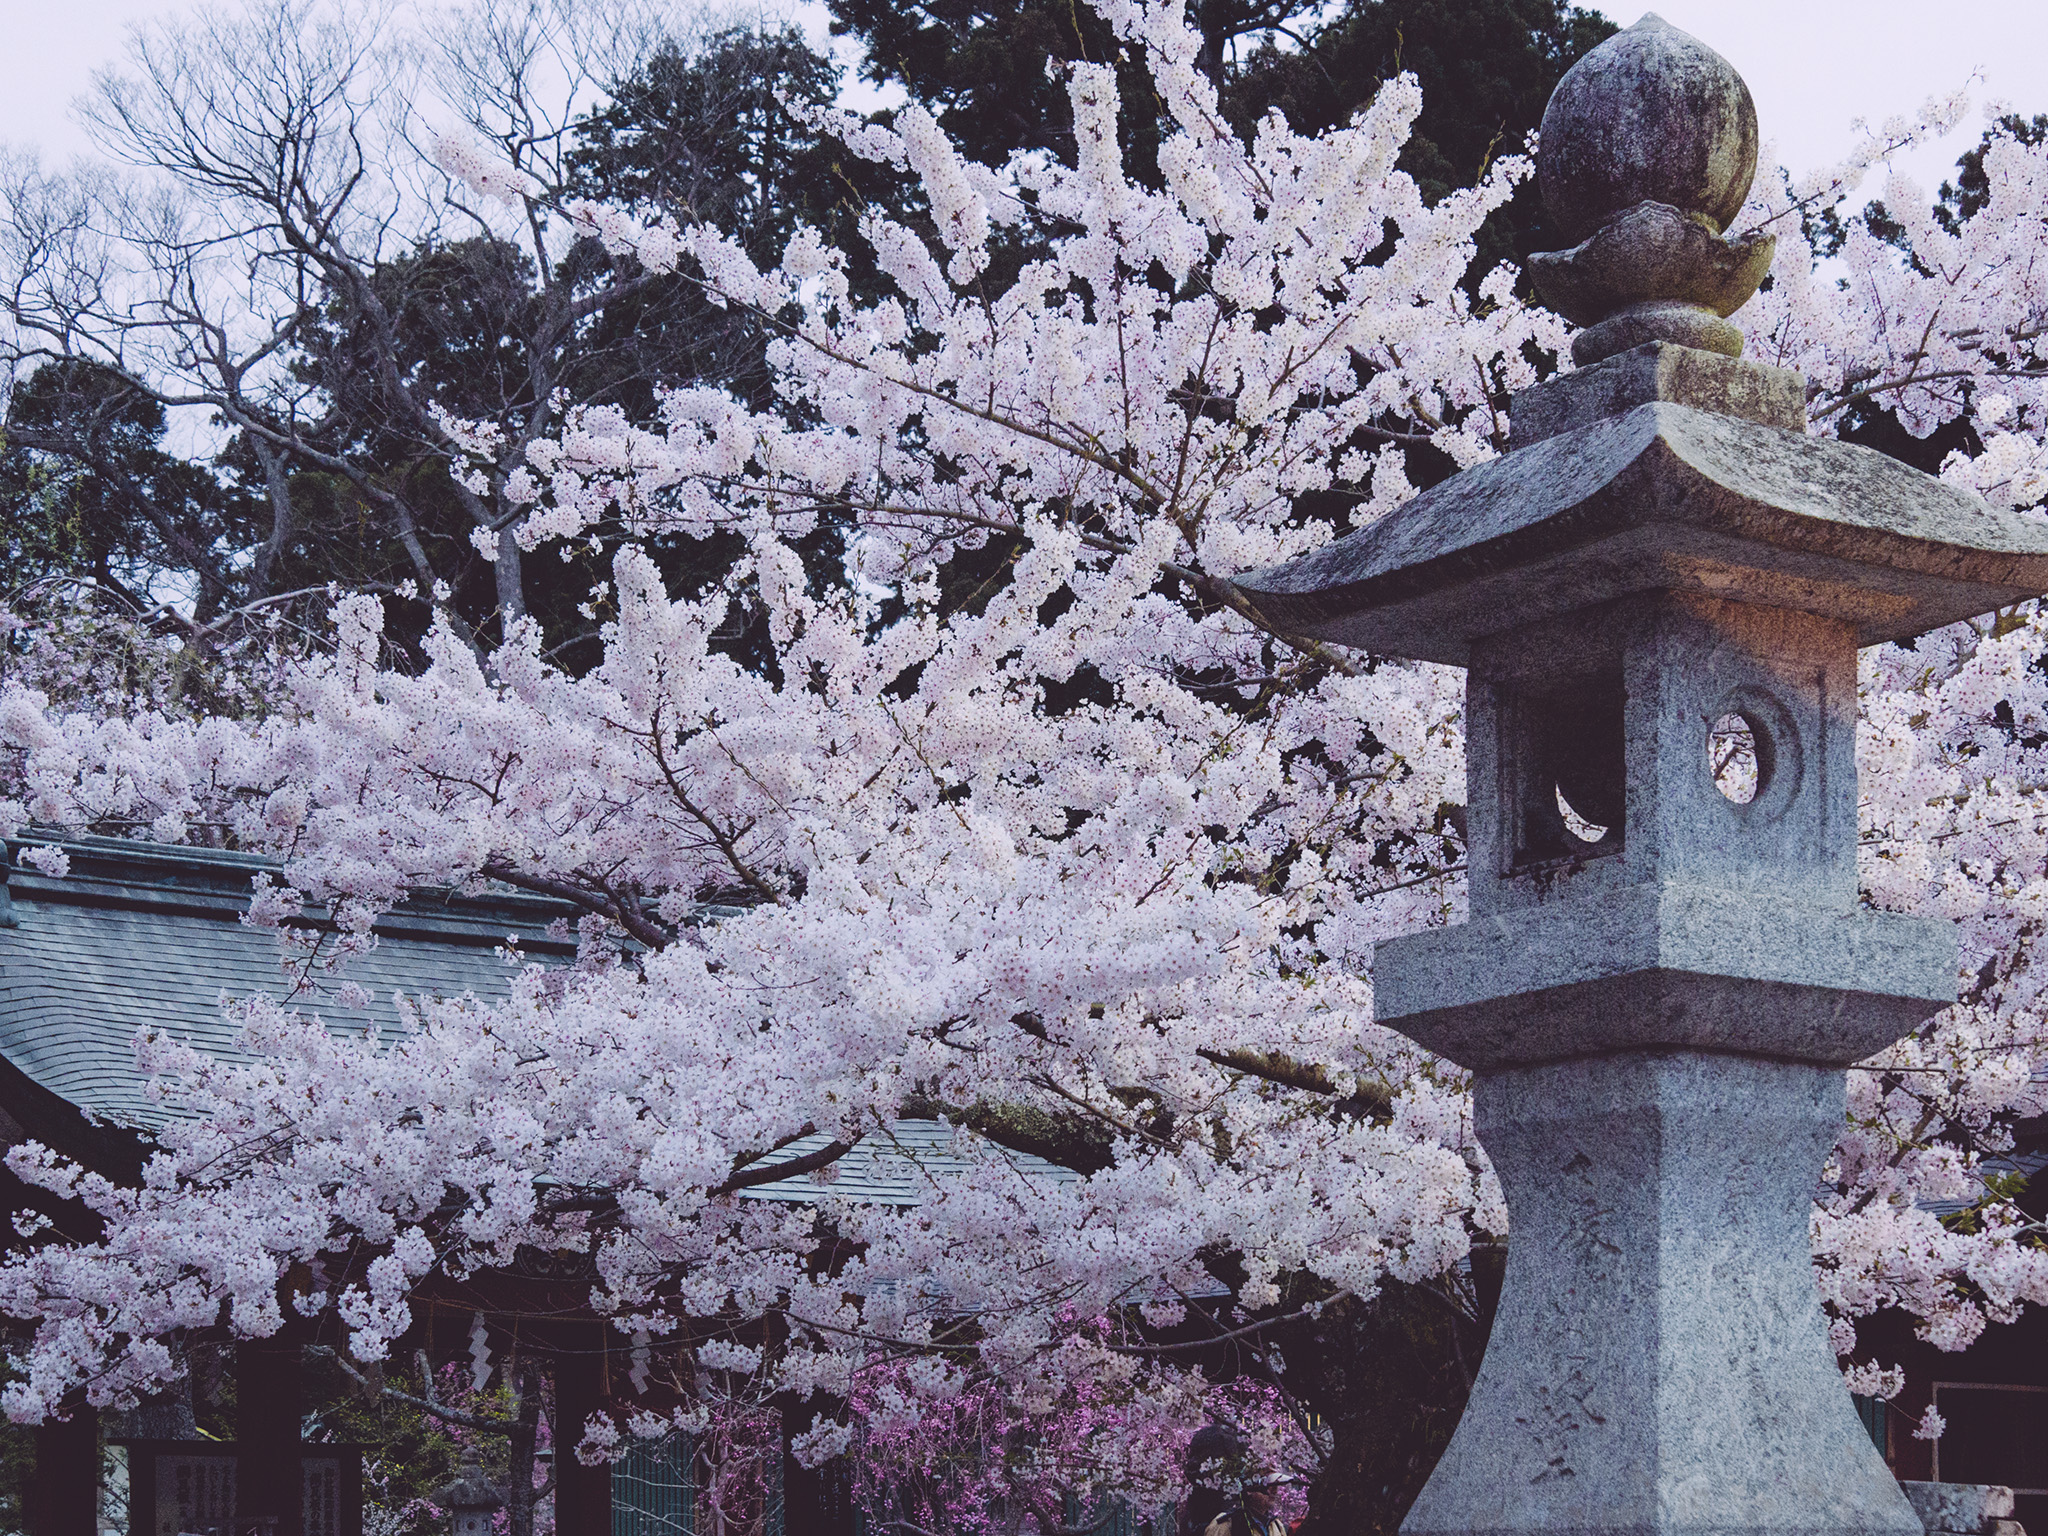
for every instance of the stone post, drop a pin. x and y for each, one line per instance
(583, 1495)
(269, 1478)
(1665, 970)
(64, 1498)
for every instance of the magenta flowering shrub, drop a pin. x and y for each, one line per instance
(973, 1462)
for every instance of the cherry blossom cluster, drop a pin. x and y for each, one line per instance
(978, 1462)
(1943, 326)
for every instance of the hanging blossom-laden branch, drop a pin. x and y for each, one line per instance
(1942, 326)
(1091, 864)
(1100, 853)
(973, 1464)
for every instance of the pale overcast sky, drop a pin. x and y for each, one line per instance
(1813, 64)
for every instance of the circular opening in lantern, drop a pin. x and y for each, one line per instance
(1733, 759)
(1584, 830)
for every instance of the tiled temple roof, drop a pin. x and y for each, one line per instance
(146, 934)
(142, 934)
(896, 1166)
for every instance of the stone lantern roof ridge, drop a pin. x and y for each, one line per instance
(1665, 468)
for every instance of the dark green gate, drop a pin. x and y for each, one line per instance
(651, 1489)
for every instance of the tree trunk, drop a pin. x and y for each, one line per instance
(583, 1495)
(511, 581)
(277, 488)
(1390, 1378)
(520, 1444)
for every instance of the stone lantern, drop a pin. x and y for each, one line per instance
(470, 1500)
(1664, 973)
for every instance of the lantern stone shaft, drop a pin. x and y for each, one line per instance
(1658, 994)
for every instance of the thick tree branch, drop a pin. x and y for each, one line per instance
(477, 1421)
(769, 1173)
(1275, 1067)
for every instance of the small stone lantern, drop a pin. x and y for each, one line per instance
(470, 1500)
(1664, 973)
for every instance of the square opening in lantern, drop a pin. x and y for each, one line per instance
(1567, 770)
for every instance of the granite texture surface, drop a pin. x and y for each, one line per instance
(1647, 150)
(1960, 1509)
(1651, 115)
(1659, 1362)
(1654, 253)
(1662, 497)
(1666, 965)
(1608, 710)
(1773, 397)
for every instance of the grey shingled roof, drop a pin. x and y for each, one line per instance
(142, 934)
(2028, 1162)
(137, 934)
(894, 1166)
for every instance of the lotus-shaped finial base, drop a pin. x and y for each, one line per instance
(1653, 273)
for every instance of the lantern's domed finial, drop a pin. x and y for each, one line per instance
(1651, 115)
(1647, 152)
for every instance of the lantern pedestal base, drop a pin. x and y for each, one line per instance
(1660, 1362)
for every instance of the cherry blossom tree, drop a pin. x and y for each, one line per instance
(1090, 863)
(1940, 325)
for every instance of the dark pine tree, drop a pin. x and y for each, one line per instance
(88, 490)
(1486, 68)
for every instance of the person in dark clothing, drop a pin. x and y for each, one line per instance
(1229, 1492)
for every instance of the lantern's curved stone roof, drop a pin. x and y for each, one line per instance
(1662, 469)
(138, 934)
